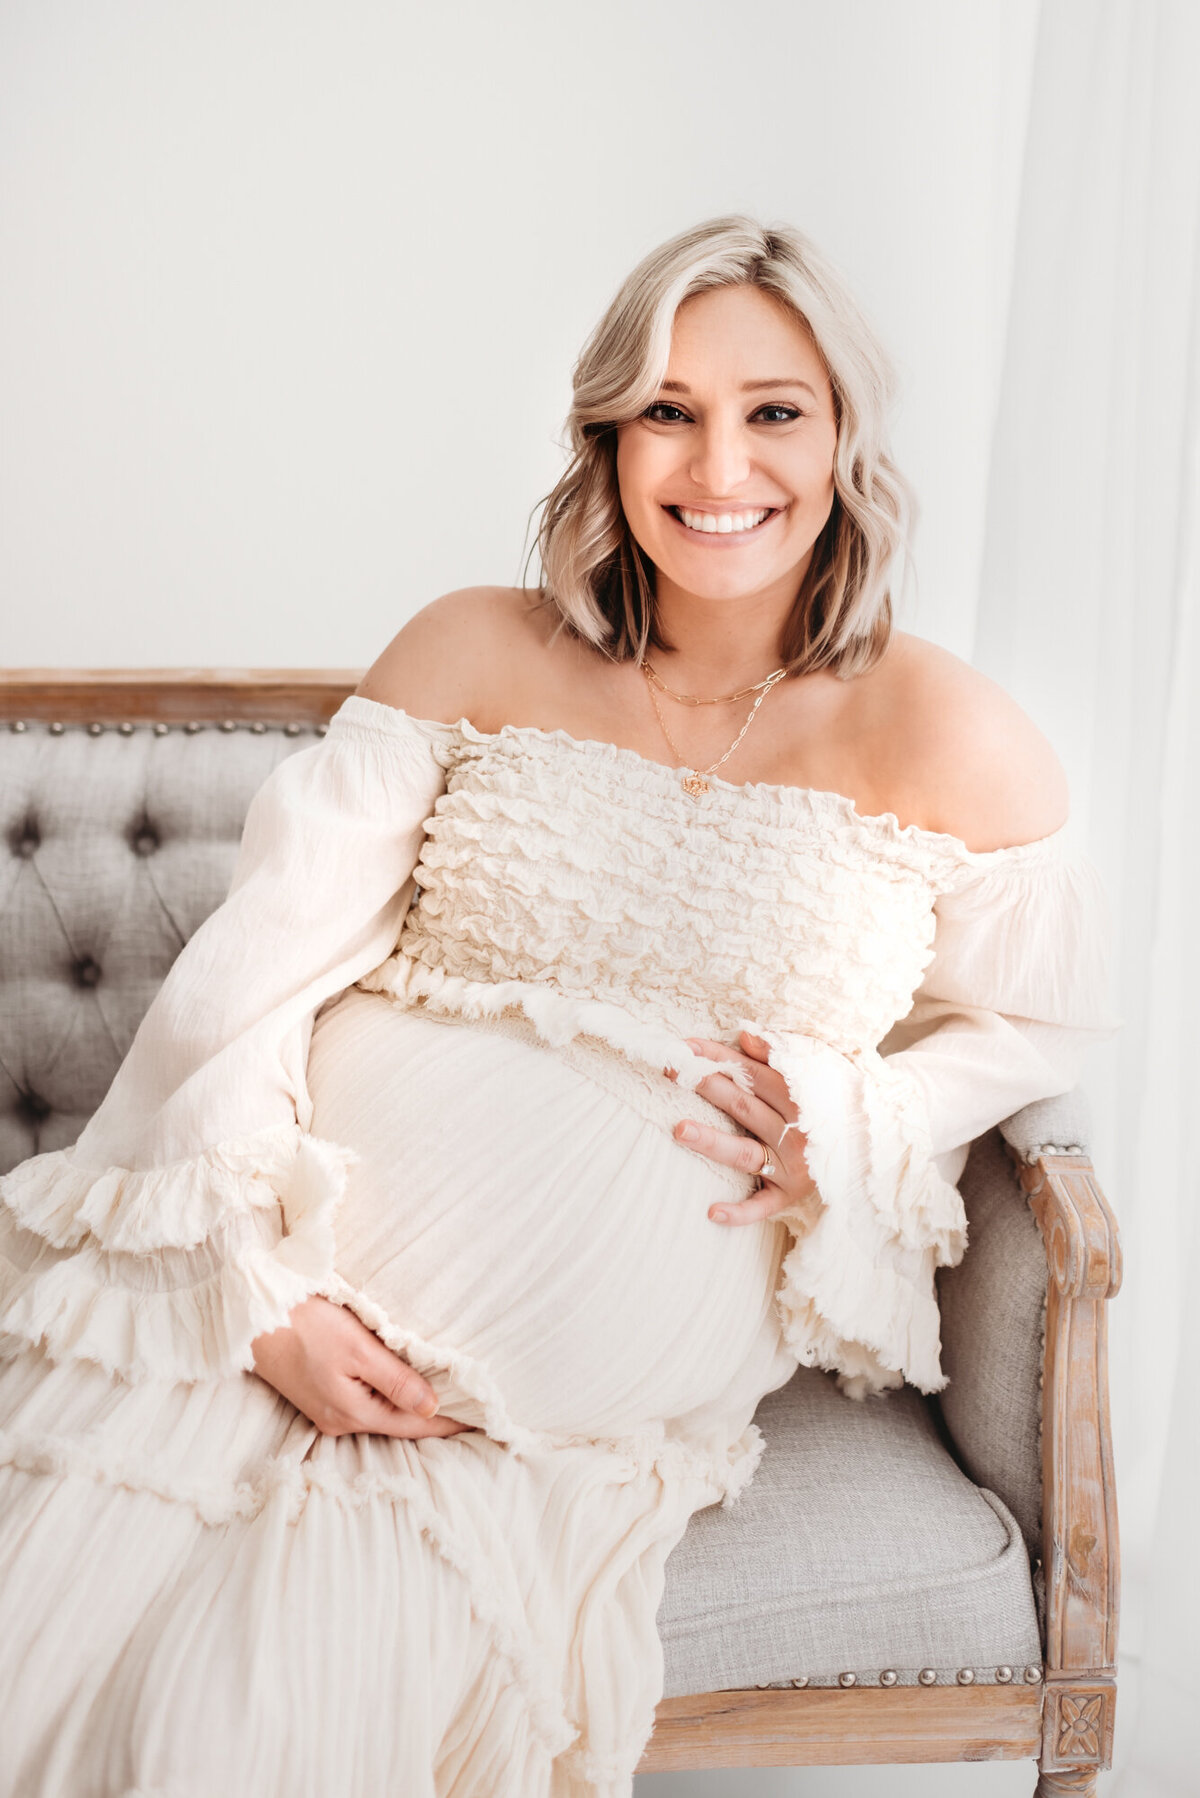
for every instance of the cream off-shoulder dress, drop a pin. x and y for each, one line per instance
(415, 1063)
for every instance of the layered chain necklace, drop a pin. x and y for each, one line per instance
(694, 779)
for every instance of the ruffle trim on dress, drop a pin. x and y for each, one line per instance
(133, 1211)
(857, 1291)
(170, 1313)
(292, 1480)
(650, 1452)
(744, 1457)
(726, 1472)
(556, 1016)
(216, 1503)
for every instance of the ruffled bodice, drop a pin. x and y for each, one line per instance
(586, 868)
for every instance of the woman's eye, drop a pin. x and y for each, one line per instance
(663, 412)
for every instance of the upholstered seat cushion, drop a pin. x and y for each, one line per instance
(859, 1546)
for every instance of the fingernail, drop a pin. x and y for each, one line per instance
(719, 1217)
(428, 1407)
(687, 1133)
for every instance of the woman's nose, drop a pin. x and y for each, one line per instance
(721, 461)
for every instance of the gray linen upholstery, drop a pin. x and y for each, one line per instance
(993, 1307)
(858, 1546)
(862, 1544)
(113, 849)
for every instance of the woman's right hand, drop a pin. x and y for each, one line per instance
(344, 1379)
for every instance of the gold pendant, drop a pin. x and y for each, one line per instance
(695, 784)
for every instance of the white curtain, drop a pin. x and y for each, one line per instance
(1089, 613)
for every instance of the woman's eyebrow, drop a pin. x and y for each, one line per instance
(747, 386)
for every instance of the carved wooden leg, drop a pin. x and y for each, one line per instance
(1080, 1782)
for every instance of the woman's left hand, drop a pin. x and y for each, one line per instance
(769, 1116)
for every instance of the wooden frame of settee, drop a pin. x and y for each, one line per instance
(1060, 1714)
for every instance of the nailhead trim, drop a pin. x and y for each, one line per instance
(126, 728)
(1052, 1148)
(889, 1677)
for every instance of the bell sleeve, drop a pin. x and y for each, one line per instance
(195, 1210)
(1015, 991)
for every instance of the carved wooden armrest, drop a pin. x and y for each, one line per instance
(1080, 1553)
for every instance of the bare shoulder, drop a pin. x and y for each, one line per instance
(984, 770)
(446, 662)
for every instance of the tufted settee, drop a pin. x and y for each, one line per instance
(906, 1579)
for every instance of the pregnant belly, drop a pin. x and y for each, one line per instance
(547, 1244)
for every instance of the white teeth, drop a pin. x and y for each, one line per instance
(724, 523)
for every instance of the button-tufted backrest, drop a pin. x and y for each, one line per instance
(115, 844)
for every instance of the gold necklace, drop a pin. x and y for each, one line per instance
(724, 699)
(693, 779)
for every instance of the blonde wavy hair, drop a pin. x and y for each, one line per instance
(598, 579)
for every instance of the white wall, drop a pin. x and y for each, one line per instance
(290, 293)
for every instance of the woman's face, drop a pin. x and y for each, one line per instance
(726, 481)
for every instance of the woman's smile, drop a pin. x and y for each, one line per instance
(724, 530)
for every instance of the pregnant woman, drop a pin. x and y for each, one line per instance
(593, 1031)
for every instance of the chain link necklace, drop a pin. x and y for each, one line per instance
(694, 781)
(722, 699)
